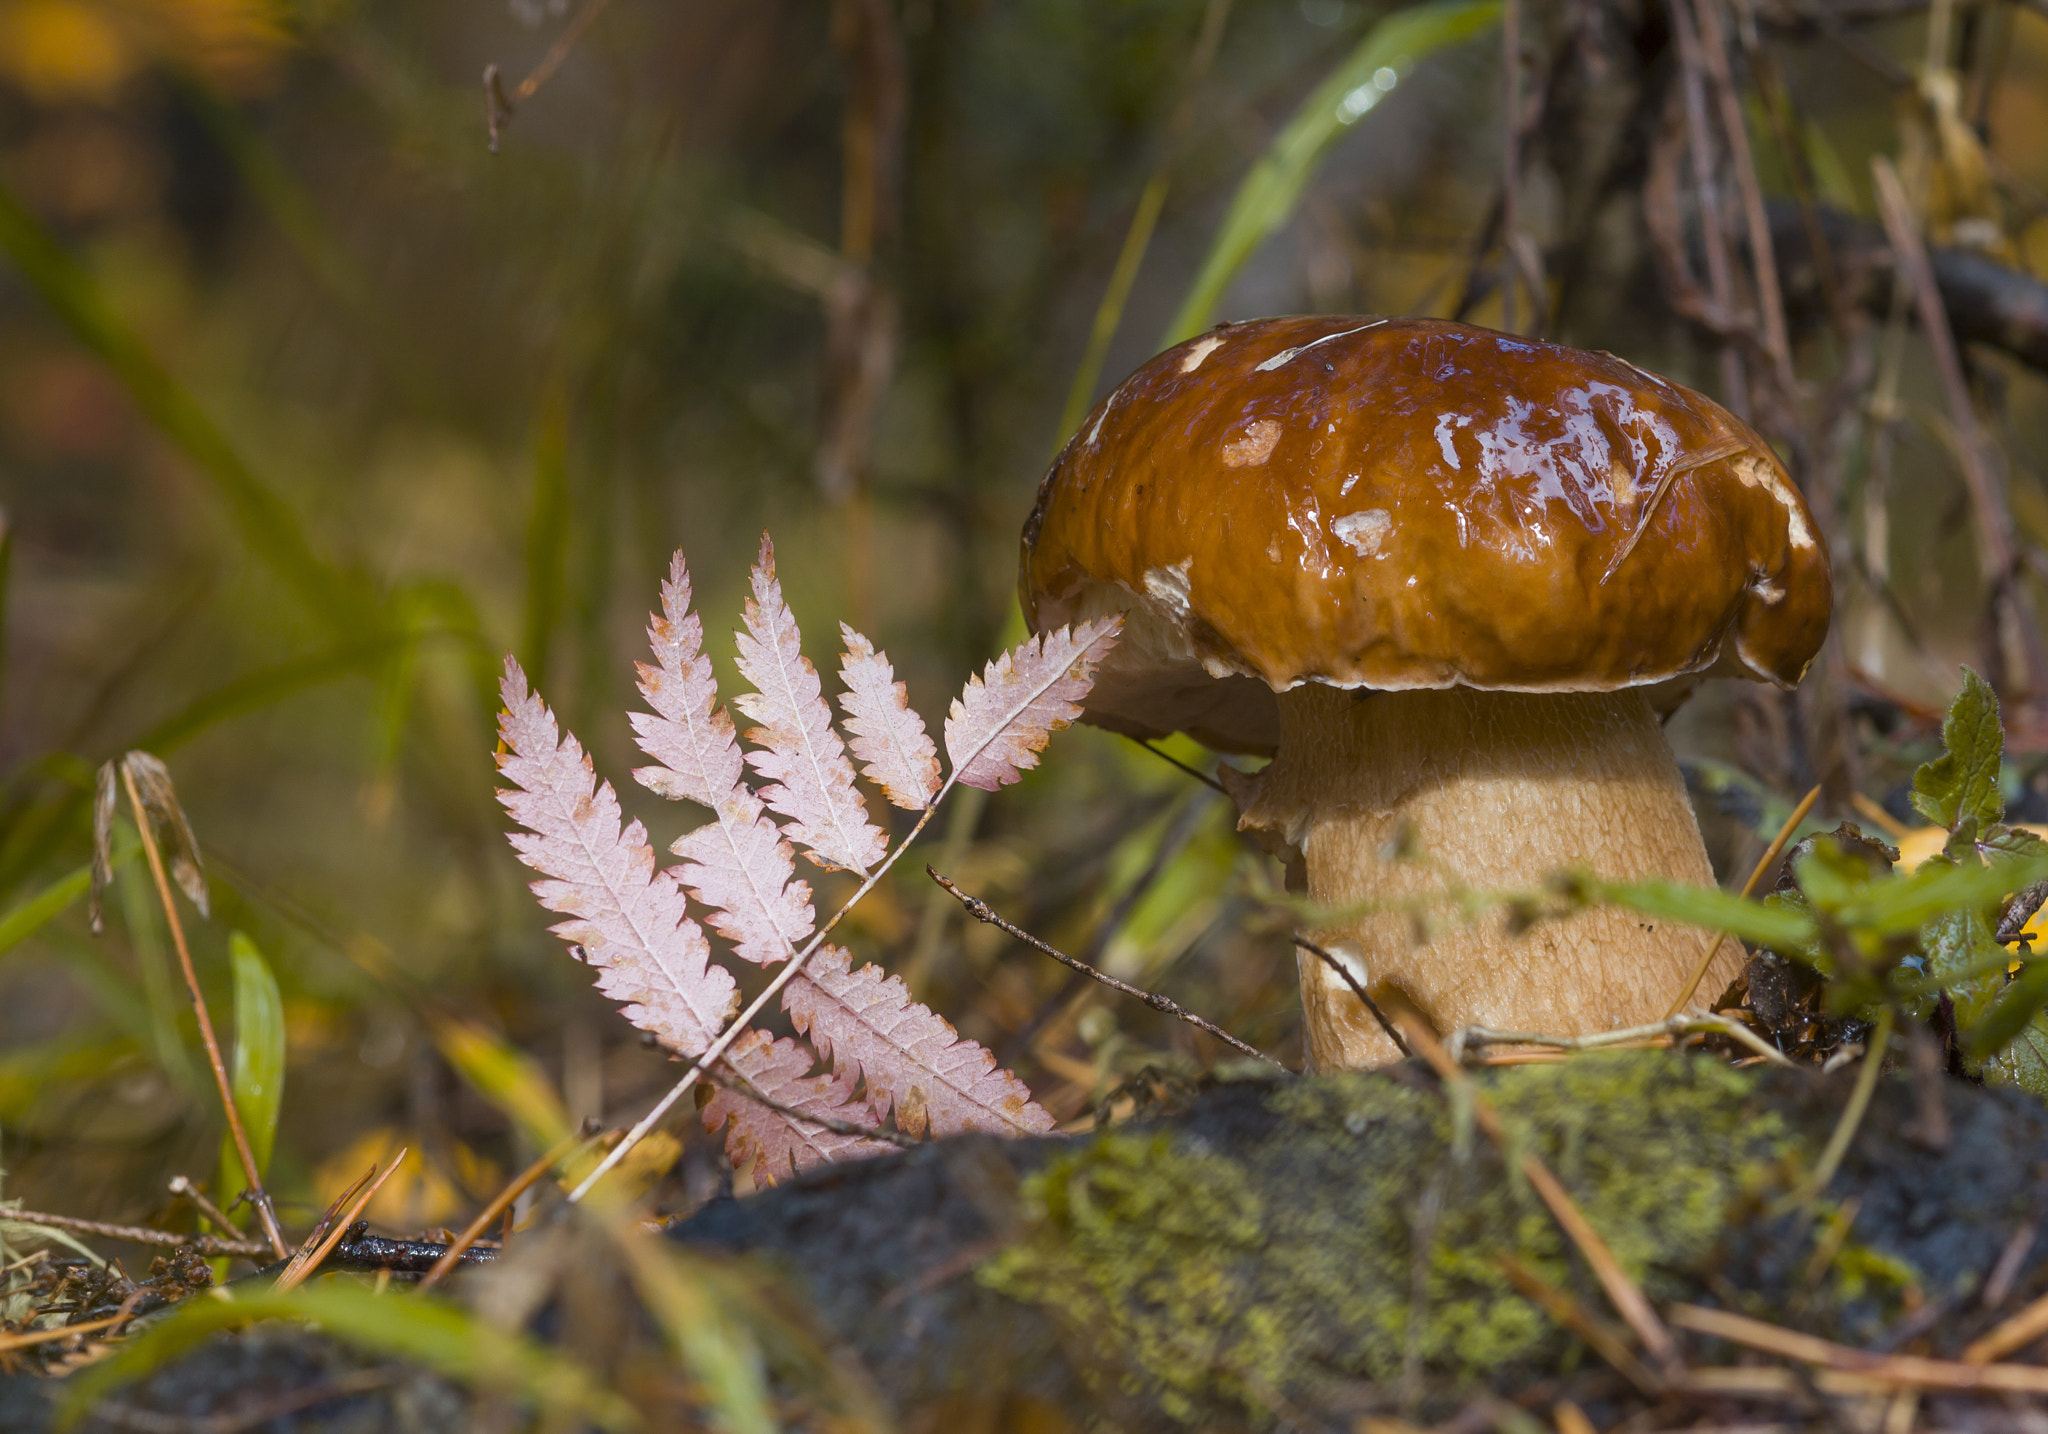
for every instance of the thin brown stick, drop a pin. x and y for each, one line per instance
(1763, 258)
(500, 1203)
(499, 106)
(51, 1336)
(1167, 757)
(259, 1197)
(1995, 536)
(1756, 874)
(1900, 1371)
(305, 1264)
(1713, 238)
(981, 911)
(1622, 1292)
(214, 1214)
(1357, 989)
(138, 1234)
(1599, 1338)
(2018, 1331)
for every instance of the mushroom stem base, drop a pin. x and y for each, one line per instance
(1489, 792)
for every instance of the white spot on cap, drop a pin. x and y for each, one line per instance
(1096, 431)
(1169, 587)
(1754, 471)
(1363, 532)
(1192, 360)
(1253, 446)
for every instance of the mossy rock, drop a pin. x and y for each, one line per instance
(1299, 1251)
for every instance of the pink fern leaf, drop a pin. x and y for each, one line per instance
(741, 868)
(801, 753)
(630, 920)
(1004, 718)
(688, 733)
(866, 1023)
(738, 865)
(781, 1144)
(888, 736)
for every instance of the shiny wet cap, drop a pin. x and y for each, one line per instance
(1408, 503)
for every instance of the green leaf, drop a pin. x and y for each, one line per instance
(1762, 924)
(258, 1065)
(2002, 842)
(419, 1328)
(1266, 199)
(1907, 903)
(2007, 1015)
(1963, 781)
(1963, 958)
(2024, 1062)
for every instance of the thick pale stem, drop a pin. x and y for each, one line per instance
(1497, 790)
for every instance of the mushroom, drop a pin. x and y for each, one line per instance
(1447, 579)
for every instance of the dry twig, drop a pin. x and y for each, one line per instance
(981, 911)
(501, 1202)
(141, 1235)
(1690, 1023)
(1895, 1371)
(1358, 990)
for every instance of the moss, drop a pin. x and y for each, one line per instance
(1211, 1283)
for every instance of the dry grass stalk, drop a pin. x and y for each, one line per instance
(308, 1259)
(1878, 1371)
(259, 1197)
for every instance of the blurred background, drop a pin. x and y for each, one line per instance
(313, 406)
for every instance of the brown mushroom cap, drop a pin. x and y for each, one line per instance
(1409, 503)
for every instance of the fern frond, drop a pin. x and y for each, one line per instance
(630, 920)
(737, 864)
(1003, 719)
(866, 1023)
(889, 739)
(740, 867)
(780, 1144)
(799, 752)
(688, 733)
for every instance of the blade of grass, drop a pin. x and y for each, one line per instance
(44, 907)
(258, 1063)
(1267, 197)
(1138, 237)
(547, 534)
(266, 525)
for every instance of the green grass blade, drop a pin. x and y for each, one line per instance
(44, 907)
(267, 526)
(1268, 196)
(419, 1328)
(258, 1068)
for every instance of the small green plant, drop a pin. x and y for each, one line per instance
(1884, 939)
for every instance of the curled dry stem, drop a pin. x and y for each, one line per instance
(1693, 1022)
